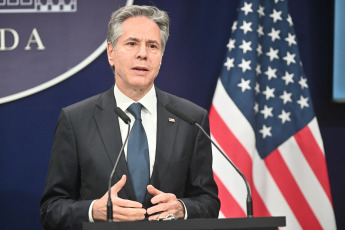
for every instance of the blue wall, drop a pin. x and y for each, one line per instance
(191, 65)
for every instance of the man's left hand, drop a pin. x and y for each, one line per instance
(164, 204)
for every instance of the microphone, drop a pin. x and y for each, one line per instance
(127, 120)
(122, 115)
(191, 121)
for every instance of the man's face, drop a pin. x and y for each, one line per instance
(137, 56)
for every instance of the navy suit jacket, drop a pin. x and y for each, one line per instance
(87, 142)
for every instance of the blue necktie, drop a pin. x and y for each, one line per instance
(138, 154)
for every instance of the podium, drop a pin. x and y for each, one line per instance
(256, 223)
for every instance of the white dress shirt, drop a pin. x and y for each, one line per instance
(148, 117)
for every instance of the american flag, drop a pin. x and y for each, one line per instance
(262, 117)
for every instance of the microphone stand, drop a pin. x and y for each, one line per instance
(249, 194)
(109, 203)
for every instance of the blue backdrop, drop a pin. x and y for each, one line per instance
(191, 65)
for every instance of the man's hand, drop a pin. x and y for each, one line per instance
(166, 203)
(123, 210)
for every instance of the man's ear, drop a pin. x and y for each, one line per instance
(110, 53)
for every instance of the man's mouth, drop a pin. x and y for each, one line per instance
(138, 68)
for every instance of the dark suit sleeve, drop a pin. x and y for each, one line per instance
(201, 193)
(60, 207)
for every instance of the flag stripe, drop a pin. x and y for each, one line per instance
(229, 177)
(232, 147)
(271, 195)
(221, 215)
(229, 207)
(233, 118)
(315, 157)
(292, 193)
(239, 156)
(314, 128)
(306, 180)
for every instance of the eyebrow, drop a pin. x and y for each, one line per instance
(137, 40)
(132, 39)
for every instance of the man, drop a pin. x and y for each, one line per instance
(176, 162)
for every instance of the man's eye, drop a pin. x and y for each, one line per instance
(131, 43)
(152, 46)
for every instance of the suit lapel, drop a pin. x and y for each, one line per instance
(109, 129)
(166, 132)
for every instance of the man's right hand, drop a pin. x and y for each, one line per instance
(123, 210)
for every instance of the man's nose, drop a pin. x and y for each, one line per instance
(142, 52)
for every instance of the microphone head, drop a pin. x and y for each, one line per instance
(122, 115)
(179, 114)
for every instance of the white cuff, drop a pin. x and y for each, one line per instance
(90, 212)
(185, 209)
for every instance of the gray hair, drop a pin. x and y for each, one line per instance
(160, 17)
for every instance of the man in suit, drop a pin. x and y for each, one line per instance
(89, 135)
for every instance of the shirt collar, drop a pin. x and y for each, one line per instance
(149, 101)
